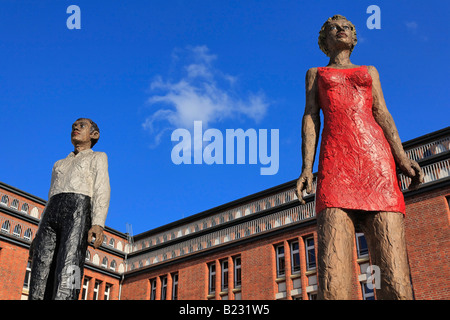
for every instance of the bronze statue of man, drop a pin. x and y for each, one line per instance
(74, 215)
(357, 185)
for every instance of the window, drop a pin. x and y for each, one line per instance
(17, 230)
(24, 208)
(5, 200)
(15, 204)
(26, 282)
(224, 280)
(175, 286)
(112, 242)
(84, 292)
(107, 293)
(113, 265)
(310, 254)
(105, 262)
(361, 245)
(6, 226)
(295, 257)
(237, 272)
(163, 288)
(312, 296)
(280, 261)
(366, 292)
(27, 234)
(153, 289)
(212, 278)
(96, 289)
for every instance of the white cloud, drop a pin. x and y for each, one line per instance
(202, 93)
(411, 25)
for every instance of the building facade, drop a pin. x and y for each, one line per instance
(260, 247)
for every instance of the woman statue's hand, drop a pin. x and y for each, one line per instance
(411, 169)
(304, 182)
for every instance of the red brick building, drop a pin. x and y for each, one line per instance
(20, 213)
(258, 247)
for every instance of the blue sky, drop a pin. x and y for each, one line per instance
(141, 69)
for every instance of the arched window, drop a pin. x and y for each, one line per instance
(113, 265)
(111, 242)
(105, 262)
(27, 234)
(88, 255)
(6, 226)
(5, 200)
(17, 230)
(24, 208)
(15, 204)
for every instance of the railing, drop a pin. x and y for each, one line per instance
(15, 227)
(219, 218)
(429, 149)
(433, 172)
(240, 231)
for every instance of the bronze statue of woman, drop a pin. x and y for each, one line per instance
(357, 185)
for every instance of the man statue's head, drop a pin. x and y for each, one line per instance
(85, 130)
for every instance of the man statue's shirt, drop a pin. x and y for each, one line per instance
(85, 173)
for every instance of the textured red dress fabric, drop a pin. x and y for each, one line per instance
(356, 166)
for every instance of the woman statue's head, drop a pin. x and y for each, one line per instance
(337, 33)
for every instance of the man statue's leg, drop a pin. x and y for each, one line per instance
(42, 263)
(385, 234)
(74, 225)
(336, 234)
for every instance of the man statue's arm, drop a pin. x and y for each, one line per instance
(100, 198)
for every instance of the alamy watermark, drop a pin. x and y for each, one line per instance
(72, 277)
(218, 151)
(374, 21)
(373, 277)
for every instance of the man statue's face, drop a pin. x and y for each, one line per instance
(81, 132)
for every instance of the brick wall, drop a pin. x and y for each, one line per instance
(103, 281)
(428, 236)
(258, 267)
(13, 262)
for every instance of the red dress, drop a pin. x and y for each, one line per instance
(356, 166)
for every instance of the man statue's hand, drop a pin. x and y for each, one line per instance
(304, 182)
(97, 233)
(411, 169)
